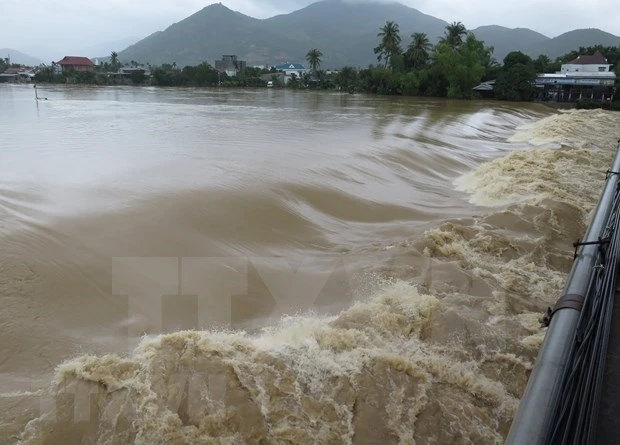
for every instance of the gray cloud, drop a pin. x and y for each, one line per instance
(49, 29)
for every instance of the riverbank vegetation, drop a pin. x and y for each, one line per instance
(451, 68)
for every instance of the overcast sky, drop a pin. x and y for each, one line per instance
(51, 28)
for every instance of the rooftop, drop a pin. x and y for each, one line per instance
(75, 60)
(15, 70)
(290, 66)
(595, 59)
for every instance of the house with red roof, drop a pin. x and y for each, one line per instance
(75, 63)
(595, 63)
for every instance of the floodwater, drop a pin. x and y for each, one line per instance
(184, 266)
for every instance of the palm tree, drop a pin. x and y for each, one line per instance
(114, 61)
(454, 34)
(418, 49)
(314, 59)
(390, 42)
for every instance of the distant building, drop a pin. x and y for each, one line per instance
(16, 70)
(74, 63)
(230, 65)
(584, 70)
(596, 63)
(16, 75)
(125, 74)
(292, 68)
(585, 77)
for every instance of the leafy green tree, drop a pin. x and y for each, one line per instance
(516, 57)
(410, 83)
(516, 77)
(313, 57)
(85, 77)
(390, 43)
(166, 78)
(379, 80)
(44, 74)
(515, 82)
(464, 66)
(418, 51)
(346, 79)
(541, 63)
(454, 34)
(203, 75)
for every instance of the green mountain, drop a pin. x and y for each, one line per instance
(505, 40)
(344, 31)
(572, 40)
(18, 57)
(205, 36)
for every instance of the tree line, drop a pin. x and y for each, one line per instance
(453, 67)
(450, 68)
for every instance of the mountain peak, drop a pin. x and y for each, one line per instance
(216, 6)
(19, 57)
(344, 30)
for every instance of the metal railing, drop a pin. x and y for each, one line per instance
(560, 402)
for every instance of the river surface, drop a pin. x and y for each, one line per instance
(188, 266)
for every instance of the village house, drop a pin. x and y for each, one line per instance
(585, 77)
(16, 74)
(596, 63)
(75, 63)
(125, 74)
(292, 68)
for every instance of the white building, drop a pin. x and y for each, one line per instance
(592, 71)
(292, 68)
(596, 63)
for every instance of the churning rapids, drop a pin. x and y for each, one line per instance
(275, 267)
